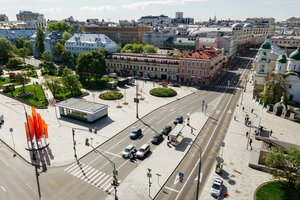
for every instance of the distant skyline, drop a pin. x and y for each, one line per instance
(115, 10)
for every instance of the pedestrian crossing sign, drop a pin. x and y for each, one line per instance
(115, 173)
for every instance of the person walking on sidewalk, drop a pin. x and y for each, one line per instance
(247, 134)
(250, 144)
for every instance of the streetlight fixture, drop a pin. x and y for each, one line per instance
(199, 169)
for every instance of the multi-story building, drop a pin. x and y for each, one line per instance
(192, 68)
(28, 15)
(120, 35)
(3, 17)
(155, 20)
(265, 26)
(80, 43)
(50, 40)
(179, 19)
(293, 21)
(211, 31)
(157, 38)
(181, 42)
(243, 33)
(12, 35)
(289, 43)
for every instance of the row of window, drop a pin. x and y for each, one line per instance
(79, 49)
(285, 42)
(148, 68)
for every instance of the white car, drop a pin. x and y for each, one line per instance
(143, 151)
(216, 187)
(128, 150)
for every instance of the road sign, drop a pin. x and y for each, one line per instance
(181, 174)
(149, 175)
(136, 100)
(11, 130)
(115, 172)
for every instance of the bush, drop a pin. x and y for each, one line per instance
(111, 95)
(163, 92)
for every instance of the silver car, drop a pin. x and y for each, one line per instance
(143, 151)
(130, 149)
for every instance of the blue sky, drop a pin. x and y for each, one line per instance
(114, 10)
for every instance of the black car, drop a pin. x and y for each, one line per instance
(178, 120)
(157, 138)
(166, 130)
(136, 133)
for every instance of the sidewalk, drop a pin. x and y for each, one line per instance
(240, 180)
(136, 184)
(60, 130)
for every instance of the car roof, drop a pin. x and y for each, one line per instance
(218, 181)
(136, 129)
(130, 146)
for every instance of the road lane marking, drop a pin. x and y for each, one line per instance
(196, 179)
(84, 173)
(3, 188)
(79, 171)
(4, 162)
(113, 154)
(176, 180)
(106, 185)
(172, 189)
(71, 166)
(76, 169)
(91, 180)
(104, 178)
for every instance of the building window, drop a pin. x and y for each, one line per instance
(161, 69)
(182, 71)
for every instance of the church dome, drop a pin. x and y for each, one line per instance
(295, 55)
(266, 45)
(282, 59)
(237, 25)
(248, 26)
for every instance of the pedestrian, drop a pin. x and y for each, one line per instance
(243, 108)
(191, 130)
(234, 118)
(252, 110)
(271, 133)
(250, 143)
(247, 134)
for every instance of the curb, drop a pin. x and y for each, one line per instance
(258, 187)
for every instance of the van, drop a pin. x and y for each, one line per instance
(1, 119)
(143, 151)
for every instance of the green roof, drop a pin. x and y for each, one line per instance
(266, 45)
(295, 55)
(282, 58)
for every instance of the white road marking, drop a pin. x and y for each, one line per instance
(91, 176)
(196, 179)
(113, 154)
(95, 177)
(76, 169)
(79, 171)
(110, 190)
(71, 166)
(176, 180)
(229, 111)
(106, 185)
(4, 162)
(172, 189)
(3, 188)
(104, 178)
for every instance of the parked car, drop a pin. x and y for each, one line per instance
(166, 130)
(216, 187)
(146, 78)
(143, 151)
(157, 138)
(135, 134)
(176, 85)
(178, 120)
(130, 149)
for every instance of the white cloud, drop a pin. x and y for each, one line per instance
(144, 4)
(99, 8)
(50, 10)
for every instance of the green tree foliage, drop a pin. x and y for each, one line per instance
(274, 88)
(59, 49)
(58, 26)
(24, 52)
(47, 63)
(138, 48)
(14, 63)
(21, 42)
(71, 82)
(91, 66)
(39, 45)
(81, 29)
(46, 56)
(65, 37)
(23, 79)
(7, 50)
(53, 84)
(285, 166)
(1, 71)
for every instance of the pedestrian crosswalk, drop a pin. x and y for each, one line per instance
(92, 176)
(226, 87)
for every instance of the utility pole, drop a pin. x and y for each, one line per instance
(149, 175)
(13, 141)
(136, 99)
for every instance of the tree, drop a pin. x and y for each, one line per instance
(58, 26)
(1, 71)
(46, 56)
(91, 65)
(71, 82)
(14, 63)
(23, 79)
(59, 50)
(39, 45)
(138, 48)
(53, 84)
(24, 52)
(47, 63)
(7, 49)
(21, 42)
(285, 166)
(65, 37)
(149, 49)
(81, 29)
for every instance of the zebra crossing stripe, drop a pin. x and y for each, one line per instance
(80, 170)
(110, 190)
(83, 172)
(95, 182)
(76, 169)
(71, 166)
(95, 177)
(91, 176)
(88, 173)
(104, 178)
(106, 184)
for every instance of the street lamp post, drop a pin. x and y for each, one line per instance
(149, 175)
(136, 99)
(199, 169)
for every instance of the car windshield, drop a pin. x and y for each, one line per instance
(215, 186)
(142, 150)
(127, 150)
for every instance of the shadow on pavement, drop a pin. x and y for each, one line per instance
(185, 142)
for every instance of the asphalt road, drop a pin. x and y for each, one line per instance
(90, 177)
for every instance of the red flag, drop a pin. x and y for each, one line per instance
(31, 126)
(27, 132)
(46, 129)
(39, 127)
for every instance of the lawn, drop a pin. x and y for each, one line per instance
(38, 98)
(163, 92)
(276, 191)
(6, 80)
